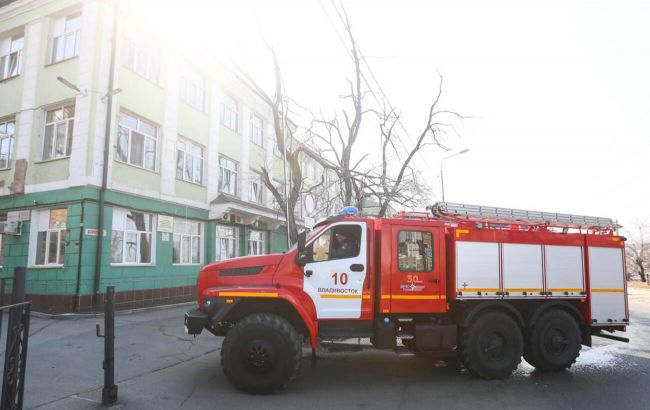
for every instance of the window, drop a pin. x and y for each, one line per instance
(3, 218)
(256, 129)
(59, 124)
(132, 239)
(276, 149)
(255, 188)
(136, 143)
(66, 37)
(229, 113)
(415, 251)
(339, 242)
(141, 59)
(187, 242)
(192, 88)
(11, 55)
(256, 243)
(227, 176)
(189, 162)
(227, 242)
(50, 237)
(7, 129)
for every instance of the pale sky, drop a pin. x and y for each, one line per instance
(559, 91)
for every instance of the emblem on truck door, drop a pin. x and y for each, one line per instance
(412, 284)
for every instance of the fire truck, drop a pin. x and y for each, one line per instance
(491, 284)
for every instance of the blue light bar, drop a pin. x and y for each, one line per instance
(349, 211)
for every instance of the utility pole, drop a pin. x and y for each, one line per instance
(442, 179)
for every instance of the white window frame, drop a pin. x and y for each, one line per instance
(257, 130)
(142, 59)
(40, 223)
(192, 88)
(11, 50)
(127, 131)
(226, 166)
(68, 126)
(186, 149)
(255, 187)
(231, 239)
(229, 111)
(119, 224)
(61, 32)
(257, 245)
(194, 241)
(7, 141)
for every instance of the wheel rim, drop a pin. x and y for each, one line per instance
(493, 346)
(556, 341)
(259, 356)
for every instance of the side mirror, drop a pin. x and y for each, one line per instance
(302, 237)
(303, 258)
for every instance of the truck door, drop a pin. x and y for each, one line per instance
(334, 277)
(416, 283)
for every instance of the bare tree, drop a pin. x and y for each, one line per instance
(638, 252)
(394, 180)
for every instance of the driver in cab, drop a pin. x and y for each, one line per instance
(345, 243)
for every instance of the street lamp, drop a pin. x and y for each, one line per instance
(442, 181)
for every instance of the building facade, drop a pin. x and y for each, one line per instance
(187, 141)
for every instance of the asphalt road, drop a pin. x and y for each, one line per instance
(159, 367)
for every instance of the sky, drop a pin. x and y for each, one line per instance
(558, 92)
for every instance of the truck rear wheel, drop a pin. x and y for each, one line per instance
(553, 343)
(261, 354)
(492, 346)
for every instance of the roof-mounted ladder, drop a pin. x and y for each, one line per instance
(474, 212)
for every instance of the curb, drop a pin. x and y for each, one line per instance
(64, 316)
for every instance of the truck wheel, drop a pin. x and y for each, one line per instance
(491, 347)
(553, 343)
(261, 354)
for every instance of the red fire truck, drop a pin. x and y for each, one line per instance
(493, 284)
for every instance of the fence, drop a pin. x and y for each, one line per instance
(13, 376)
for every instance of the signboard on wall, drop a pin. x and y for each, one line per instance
(18, 216)
(165, 223)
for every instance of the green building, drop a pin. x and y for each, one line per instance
(188, 138)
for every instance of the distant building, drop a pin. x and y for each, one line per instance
(188, 138)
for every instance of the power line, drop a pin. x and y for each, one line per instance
(374, 77)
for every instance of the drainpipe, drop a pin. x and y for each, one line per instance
(76, 303)
(107, 147)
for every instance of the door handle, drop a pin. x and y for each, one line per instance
(308, 273)
(356, 267)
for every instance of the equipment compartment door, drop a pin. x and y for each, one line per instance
(334, 277)
(416, 278)
(607, 276)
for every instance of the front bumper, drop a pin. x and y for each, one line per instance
(195, 321)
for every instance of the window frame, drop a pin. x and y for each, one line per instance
(187, 151)
(190, 80)
(69, 131)
(255, 178)
(260, 243)
(6, 136)
(432, 270)
(5, 59)
(124, 230)
(190, 236)
(231, 172)
(310, 247)
(76, 33)
(234, 239)
(61, 234)
(146, 137)
(259, 140)
(133, 50)
(231, 110)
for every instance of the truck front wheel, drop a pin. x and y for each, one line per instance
(261, 354)
(553, 342)
(492, 346)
